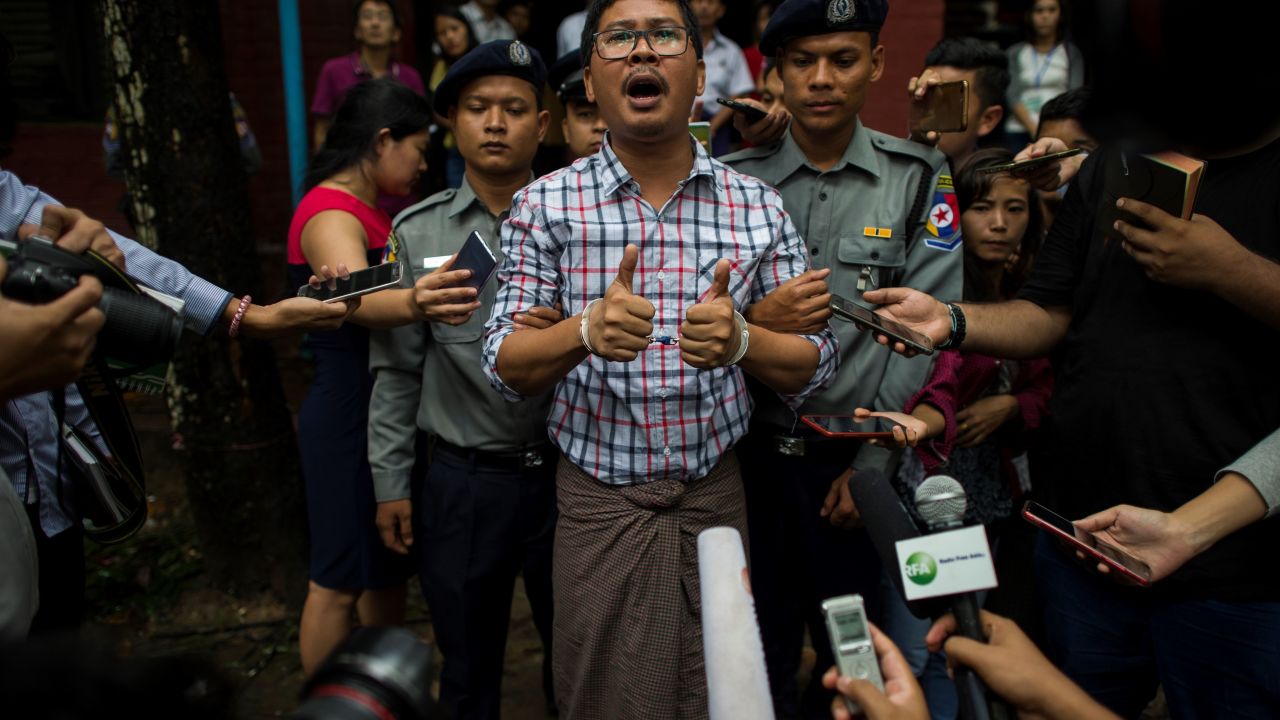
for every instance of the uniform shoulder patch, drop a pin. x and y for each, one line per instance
(943, 222)
(391, 251)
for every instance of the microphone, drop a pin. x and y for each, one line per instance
(737, 683)
(887, 521)
(941, 502)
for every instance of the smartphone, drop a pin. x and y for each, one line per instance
(752, 113)
(945, 108)
(867, 319)
(1110, 555)
(476, 256)
(851, 642)
(361, 282)
(844, 426)
(1032, 163)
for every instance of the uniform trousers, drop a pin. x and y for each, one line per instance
(484, 518)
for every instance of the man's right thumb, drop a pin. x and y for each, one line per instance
(869, 698)
(627, 268)
(967, 651)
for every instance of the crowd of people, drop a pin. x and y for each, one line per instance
(635, 371)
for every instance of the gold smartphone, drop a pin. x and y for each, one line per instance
(945, 108)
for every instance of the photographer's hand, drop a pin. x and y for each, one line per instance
(46, 346)
(72, 230)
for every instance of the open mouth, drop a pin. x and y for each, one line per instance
(644, 89)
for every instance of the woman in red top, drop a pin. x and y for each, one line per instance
(375, 146)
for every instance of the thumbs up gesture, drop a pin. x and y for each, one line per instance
(709, 336)
(620, 324)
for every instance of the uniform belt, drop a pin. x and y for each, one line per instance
(531, 457)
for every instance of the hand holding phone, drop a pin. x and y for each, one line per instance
(849, 426)
(1030, 163)
(361, 282)
(943, 107)
(869, 320)
(1128, 566)
(851, 643)
(752, 113)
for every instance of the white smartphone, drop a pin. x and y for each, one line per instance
(361, 282)
(851, 642)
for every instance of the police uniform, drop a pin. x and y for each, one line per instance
(884, 215)
(487, 509)
(565, 78)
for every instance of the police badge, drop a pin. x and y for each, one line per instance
(518, 53)
(839, 11)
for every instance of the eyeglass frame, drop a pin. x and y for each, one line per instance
(688, 40)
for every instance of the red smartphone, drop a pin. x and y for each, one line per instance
(1111, 556)
(844, 426)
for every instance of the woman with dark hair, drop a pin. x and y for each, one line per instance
(976, 411)
(1043, 67)
(375, 146)
(454, 38)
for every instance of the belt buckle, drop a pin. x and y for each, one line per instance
(787, 445)
(531, 459)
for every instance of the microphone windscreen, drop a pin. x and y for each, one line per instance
(737, 683)
(887, 521)
(941, 500)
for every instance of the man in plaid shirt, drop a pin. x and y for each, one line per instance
(650, 246)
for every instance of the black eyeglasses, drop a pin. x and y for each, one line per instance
(618, 44)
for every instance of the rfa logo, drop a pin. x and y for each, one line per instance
(921, 568)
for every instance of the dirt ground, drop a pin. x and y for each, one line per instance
(149, 596)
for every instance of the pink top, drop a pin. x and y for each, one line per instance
(343, 73)
(376, 222)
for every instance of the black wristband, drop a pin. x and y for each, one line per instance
(958, 328)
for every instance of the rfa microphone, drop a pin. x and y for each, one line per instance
(941, 502)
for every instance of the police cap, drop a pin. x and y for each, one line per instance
(565, 77)
(802, 18)
(497, 57)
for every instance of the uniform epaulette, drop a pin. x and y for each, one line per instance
(751, 153)
(414, 209)
(910, 148)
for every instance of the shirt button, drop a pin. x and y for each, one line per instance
(814, 249)
(875, 254)
(822, 196)
(666, 451)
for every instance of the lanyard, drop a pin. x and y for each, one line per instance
(1044, 64)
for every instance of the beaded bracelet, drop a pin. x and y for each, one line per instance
(240, 311)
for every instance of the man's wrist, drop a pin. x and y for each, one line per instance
(959, 328)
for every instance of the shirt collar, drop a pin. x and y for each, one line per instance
(464, 197)
(858, 153)
(616, 175)
(357, 66)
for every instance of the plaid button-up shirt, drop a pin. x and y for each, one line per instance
(655, 417)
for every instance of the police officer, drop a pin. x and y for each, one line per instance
(487, 509)
(583, 125)
(873, 210)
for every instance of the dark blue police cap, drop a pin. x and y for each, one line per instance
(565, 77)
(802, 18)
(497, 57)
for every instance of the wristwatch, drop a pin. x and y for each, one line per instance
(958, 328)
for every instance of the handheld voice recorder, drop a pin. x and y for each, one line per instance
(851, 642)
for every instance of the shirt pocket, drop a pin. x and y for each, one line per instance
(469, 331)
(742, 271)
(870, 258)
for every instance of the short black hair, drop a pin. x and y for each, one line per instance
(355, 12)
(989, 63)
(592, 25)
(1067, 106)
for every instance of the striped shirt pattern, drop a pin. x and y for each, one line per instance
(655, 417)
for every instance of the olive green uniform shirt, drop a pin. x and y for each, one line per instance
(428, 375)
(854, 220)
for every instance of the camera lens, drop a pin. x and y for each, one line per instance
(138, 330)
(379, 673)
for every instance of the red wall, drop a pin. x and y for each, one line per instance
(912, 28)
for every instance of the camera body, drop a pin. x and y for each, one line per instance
(139, 329)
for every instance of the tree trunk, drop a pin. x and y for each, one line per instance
(189, 194)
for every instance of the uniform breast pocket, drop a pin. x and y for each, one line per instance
(871, 258)
(473, 328)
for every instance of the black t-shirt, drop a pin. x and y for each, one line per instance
(1159, 387)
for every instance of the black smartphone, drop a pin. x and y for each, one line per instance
(476, 256)
(751, 112)
(1113, 557)
(361, 282)
(868, 319)
(945, 108)
(844, 426)
(1031, 163)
